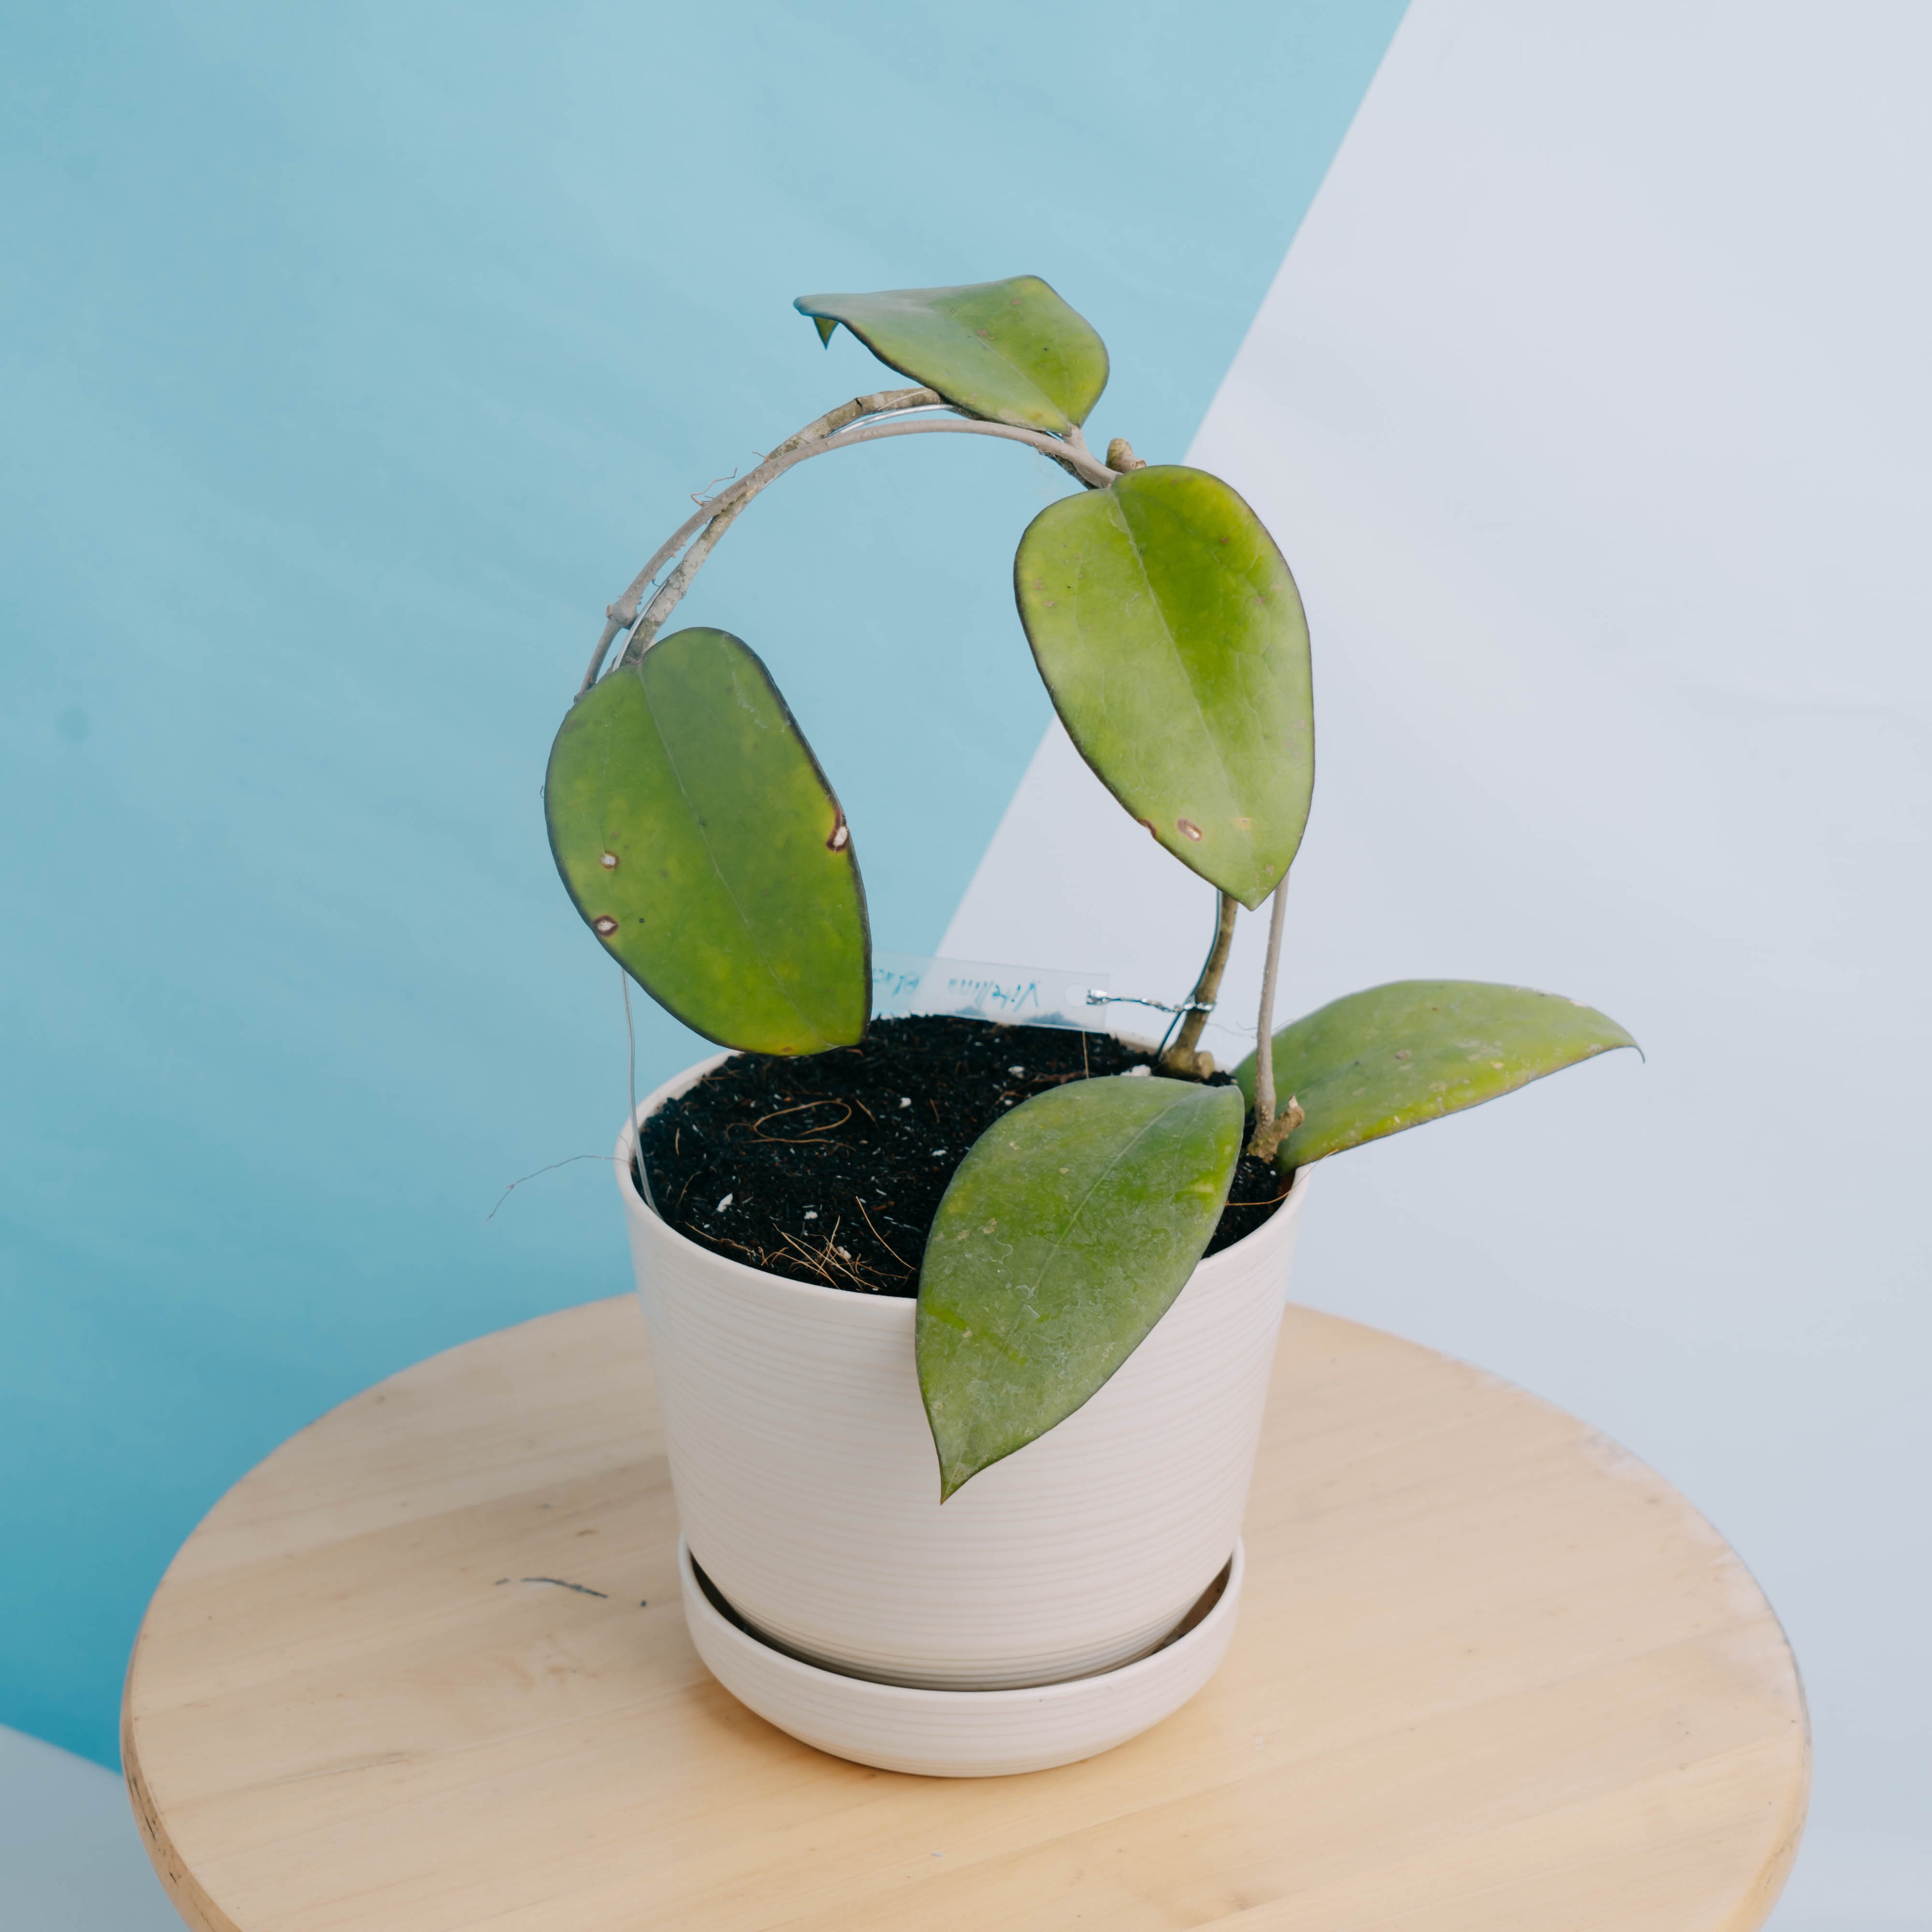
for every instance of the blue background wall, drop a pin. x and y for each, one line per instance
(350, 360)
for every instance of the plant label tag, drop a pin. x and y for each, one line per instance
(905, 983)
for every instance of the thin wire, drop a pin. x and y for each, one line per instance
(1095, 998)
(551, 1168)
(1173, 1027)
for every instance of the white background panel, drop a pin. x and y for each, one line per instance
(1591, 408)
(70, 1858)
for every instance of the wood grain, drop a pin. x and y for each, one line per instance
(425, 1668)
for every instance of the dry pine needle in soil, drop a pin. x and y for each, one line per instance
(829, 1168)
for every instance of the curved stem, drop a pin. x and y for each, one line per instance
(1181, 1057)
(644, 632)
(622, 615)
(1270, 1129)
(715, 517)
(1072, 458)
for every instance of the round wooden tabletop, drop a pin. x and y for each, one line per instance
(426, 1669)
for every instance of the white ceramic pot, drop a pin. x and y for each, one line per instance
(808, 1486)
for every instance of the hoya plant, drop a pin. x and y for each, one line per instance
(704, 846)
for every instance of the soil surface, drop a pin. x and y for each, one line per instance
(830, 1167)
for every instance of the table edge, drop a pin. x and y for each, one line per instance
(199, 1911)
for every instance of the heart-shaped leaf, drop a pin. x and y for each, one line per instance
(701, 843)
(1172, 637)
(1011, 352)
(1069, 1227)
(1376, 1062)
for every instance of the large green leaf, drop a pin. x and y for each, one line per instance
(1172, 637)
(1374, 1062)
(1069, 1227)
(1011, 352)
(702, 844)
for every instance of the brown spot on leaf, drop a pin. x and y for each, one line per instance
(840, 838)
(609, 862)
(603, 925)
(1187, 828)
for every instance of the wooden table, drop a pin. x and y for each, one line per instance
(425, 1668)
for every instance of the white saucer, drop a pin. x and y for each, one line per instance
(959, 1733)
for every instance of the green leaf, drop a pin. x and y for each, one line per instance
(1011, 352)
(700, 841)
(1069, 1227)
(1172, 637)
(1394, 1057)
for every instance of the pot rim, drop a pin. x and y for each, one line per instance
(623, 1160)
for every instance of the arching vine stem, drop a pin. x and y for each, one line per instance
(858, 420)
(1271, 1128)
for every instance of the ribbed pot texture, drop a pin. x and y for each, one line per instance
(808, 1486)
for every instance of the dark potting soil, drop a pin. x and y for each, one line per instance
(830, 1168)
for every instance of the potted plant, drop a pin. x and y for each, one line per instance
(961, 1390)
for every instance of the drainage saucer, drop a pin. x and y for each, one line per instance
(959, 1733)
